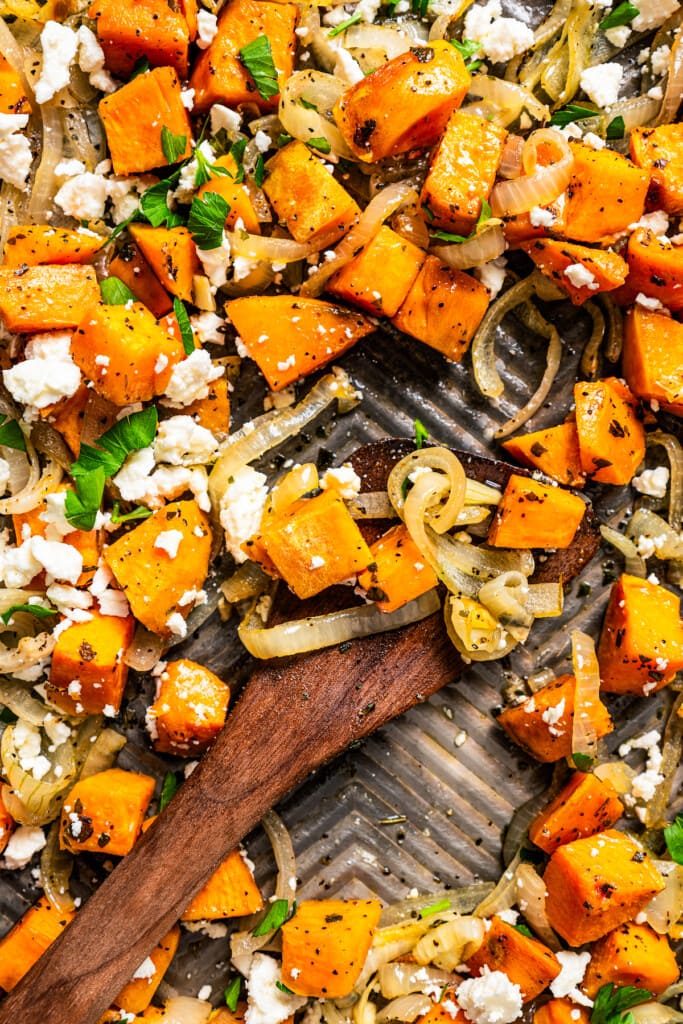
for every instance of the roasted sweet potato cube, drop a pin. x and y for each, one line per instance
(290, 337)
(535, 515)
(316, 544)
(526, 962)
(88, 673)
(46, 298)
(655, 268)
(189, 709)
(129, 30)
(633, 954)
(462, 172)
(405, 104)
(380, 276)
(32, 245)
(138, 993)
(524, 226)
(27, 941)
(611, 434)
(171, 254)
(445, 1011)
(651, 362)
(660, 151)
(219, 76)
(120, 349)
(134, 116)
(606, 193)
(398, 573)
(85, 407)
(596, 884)
(230, 892)
(88, 542)
(641, 643)
(162, 590)
(582, 272)
(584, 806)
(324, 945)
(130, 266)
(555, 451)
(13, 98)
(307, 199)
(103, 813)
(561, 1011)
(212, 412)
(443, 308)
(542, 724)
(6, 824)
(236, 195)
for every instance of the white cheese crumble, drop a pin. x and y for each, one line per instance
(539, 217)
(84, 196)
(492, 275)
(649, 302)
(91, 61)
(168, 541)
(191, 378)
(344, 480)
(182, 442)
(47, 374)
(177, 625)
(267, 1004)
(209, 328)
(581, 276)
(145, 971)
(207, 27)
(59, 44)
(653, 482)
(602, 83)
(224, 117)
(262, 141)
(574, 966)
(644, 785)
(501, 38)
(216, 263)
(594, 141)
(204, 993)
(241, 509)
(15, 150)
(24, 842)
(657, 222)
(618, 36)
(660, 60)
(489, 999)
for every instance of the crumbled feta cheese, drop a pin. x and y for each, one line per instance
(594, 141)
(657, 222)
(125, 193)
(168, 541)
(552, 715)
(344, 480)
(656, 92)
(146, 970)
(648, 302)
(24, 842)
(653, 13)
(114, 602)
(83, 197)
(204, 993)
(209, 328)
(133, 476)
(539, 217)
(223, 117)
(69, 169)
(66, 598)
(187, 98)
(510, 916)
(581, 276)
(602, 83)
(15, 150)
(660, 60)
(267, 1004)
(91, 61)
(316, 562)
(191, 378)
(368, 9)
(182, 442)
(501, 38)
(574, 966)
(618, 36)
(216, 263)
(207, 27)
(241, 509)
(242, 267)
(489, 999)
(644, 785)
(653, 482)
(60, 561)
(177, 625)
(59, 44)
(262, 141)
(492, 275)
(347, 67)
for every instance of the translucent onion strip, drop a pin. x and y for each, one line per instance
(28, 652)
(586, 695)
(449, 944)
(185, 1010)
(305, 122)
(44, 184)
(271, 249)
(665, 910)
(55, 871)
(539, 184)
(399, 979)
(36, 487)
(101, 754)
(634, 564)
(20, 702)
(404, 1008)
(674, 450)
(505, 100)
(531, 895)
(674, 82)
(482, 248)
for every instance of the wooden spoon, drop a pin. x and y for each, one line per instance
(293, 716)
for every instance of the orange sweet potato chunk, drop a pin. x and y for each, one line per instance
(88, 673)
(651, 358)
(584, 806)
(230, 892)
(526, 962)
(380, 276)
(189, 709)
(307, 199)
(520, 229)
(103, 813)
(445, 1011)
(462, 173)
(290, 337)
(398, 573)
(605, 194)
(561, 1011)
(171, 254)
(596, 884)
(84, 407)
(27, 941)
(134, 115)
(46, 298)
(535, 515)
(633, 954)
(443, 308)
(324, 945)
(555, 451)
(13, 98)
(582, 272)
(611, 434)
(655, 268)
(212, 412)
(132, 268)
(660, 151)
(405, 104)
(219, 76)
(138, 993)
(641, 643)
(551, 740)
(34, 244)
(235, 193)
(132, 29)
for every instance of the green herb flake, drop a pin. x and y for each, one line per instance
(611, 1003)
(39, 610)
(257, 58)
(118, 517)
(283, 139)
(523, 929)
(141, 67)
(621, 15)
(584, 762)
(420, 8)
(278, 912)
(237, 153)
(169, 788)
(154, 204)
(306, 105)
(320, 143)
(185, 326)
(206, 170)
(435, 908)
(569, 114)
(673, 834)
(467, 49)
(259, 171)
(421, 433)
(82, 505)
(11, 434)
(283, 988)
(616, 129)
(115, 293)
(232, 993)
(7, 717)
(484, 216)
(343, 25)
(173, 146)
(207, 220)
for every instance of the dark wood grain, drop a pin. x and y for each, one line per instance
(293, 716)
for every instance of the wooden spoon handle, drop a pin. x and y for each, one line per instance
(293, 717)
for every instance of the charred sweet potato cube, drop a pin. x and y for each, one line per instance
(136, 996)
(189, 709)
(606, 193)
(171, 254)
(555, 451)
(119, 348)
(88, 673)
(290, 337)
(129, 30)
(535, 515)
(633, 954)
(542, 724)
(162, 590)
(33, 245)
(230, 892)
(526, 961)
(611, 434)
(307, 199)
(660, 151)
(443, 308)
(235, 193)
(462, 173)
(405, 104)
(380, 276)
(134, 116)
(219, 76)
(596, 884)
(581, 271)
(650, 360)
(316, 544)
(27, 941)
(13, 98)
(103, 813)
(584, 806)
(641, 643)
(561, 1011)
(130, 266)
(46, 298)
(398, 573)
(655, 268)
(324, 945)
